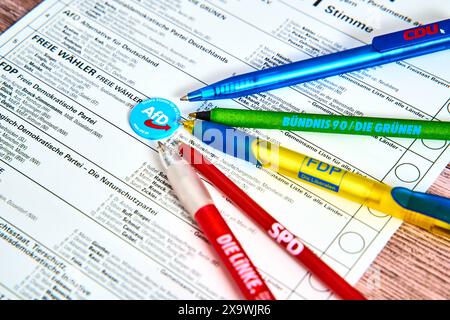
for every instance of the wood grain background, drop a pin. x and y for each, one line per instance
(413, 265)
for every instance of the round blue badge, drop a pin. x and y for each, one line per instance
(155, 118)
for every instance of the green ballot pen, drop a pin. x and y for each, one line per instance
(368, 126)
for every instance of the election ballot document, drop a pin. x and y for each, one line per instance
(85, 209)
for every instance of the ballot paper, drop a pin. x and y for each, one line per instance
(85, 209)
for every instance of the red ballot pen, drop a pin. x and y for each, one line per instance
(194, 197)
(292, 244)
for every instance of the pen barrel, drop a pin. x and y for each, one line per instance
(404, 128)
(329, 277)
(233, 256)
(196, 200)
(275, 230)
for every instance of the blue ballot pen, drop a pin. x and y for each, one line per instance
(384, 49)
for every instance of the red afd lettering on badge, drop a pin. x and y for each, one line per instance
(420, 32)
(286, 238)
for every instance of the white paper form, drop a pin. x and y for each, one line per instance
(85, 211)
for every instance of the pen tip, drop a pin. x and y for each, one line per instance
(161, 146)
(193, 114)
(184, 98)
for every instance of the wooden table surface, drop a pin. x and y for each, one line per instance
(414, 264)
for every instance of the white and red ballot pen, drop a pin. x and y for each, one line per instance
(194, 197)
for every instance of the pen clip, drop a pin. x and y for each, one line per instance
(414, 36)
(428, 204)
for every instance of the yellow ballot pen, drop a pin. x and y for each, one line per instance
(427, 211)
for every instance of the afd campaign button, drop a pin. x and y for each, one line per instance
(155, 118)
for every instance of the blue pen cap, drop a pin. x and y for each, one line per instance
(226, 139)
(431, 205)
